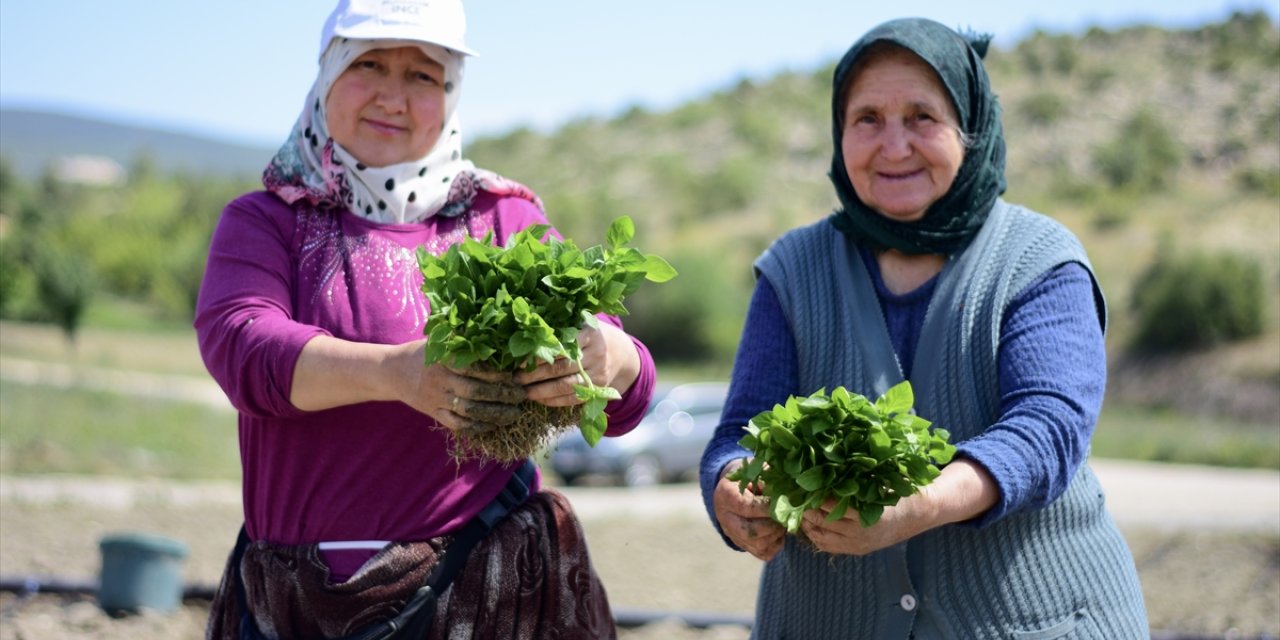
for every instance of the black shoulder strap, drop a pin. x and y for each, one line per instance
(248, 628)
(415, 619)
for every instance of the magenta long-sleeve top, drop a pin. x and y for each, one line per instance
(280, 275)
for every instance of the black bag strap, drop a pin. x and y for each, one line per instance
(248, 628)
(414, 620)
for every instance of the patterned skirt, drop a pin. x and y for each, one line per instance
(530, 578)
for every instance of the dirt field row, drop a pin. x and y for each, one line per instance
(1210, 581)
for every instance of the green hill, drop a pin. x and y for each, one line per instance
(1145, 142)
(750, 160)
(1150, 144)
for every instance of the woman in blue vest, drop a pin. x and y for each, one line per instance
(993, 313)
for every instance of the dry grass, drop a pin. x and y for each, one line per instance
(173, 351)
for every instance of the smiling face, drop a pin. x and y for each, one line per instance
(901, 143)
(388, 106)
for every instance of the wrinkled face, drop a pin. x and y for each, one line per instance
(388, 106)
(901, 141)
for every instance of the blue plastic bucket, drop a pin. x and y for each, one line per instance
(140, 571)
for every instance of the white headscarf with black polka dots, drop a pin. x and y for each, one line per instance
(311, 164)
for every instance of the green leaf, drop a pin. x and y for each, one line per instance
(842, 397)
(841, 508)
(817, 425)
(656, 269)
(881, 444)
(521, 344)
(548, 352)
(941, 451)
(784, 437)
(587, 393)
(870, 514)
(594, 422)
(792, 463)
(812, 480)
(833, 453)
(432, 270)
(612, 292)
(898, 399)
(534, 233)
(621, 231)
(847, 488)
(788, 515)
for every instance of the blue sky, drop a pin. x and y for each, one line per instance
(238, 70)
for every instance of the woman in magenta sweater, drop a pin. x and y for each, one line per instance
(310, 318)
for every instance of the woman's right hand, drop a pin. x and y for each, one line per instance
(458, 399)
(744, 517)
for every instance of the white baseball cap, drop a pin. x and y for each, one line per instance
(439, 22)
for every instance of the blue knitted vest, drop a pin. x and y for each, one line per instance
(1062, 571)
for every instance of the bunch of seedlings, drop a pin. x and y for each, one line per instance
(507, 308)
(863, 455)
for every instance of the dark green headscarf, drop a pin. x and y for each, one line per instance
(956, 217)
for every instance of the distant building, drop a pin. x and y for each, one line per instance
(90, 170)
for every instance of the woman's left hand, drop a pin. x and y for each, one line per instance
(609, 358)
(847, 536)
(963, 491)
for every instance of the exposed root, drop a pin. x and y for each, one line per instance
(536, 429)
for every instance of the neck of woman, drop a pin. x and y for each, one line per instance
(904, 273)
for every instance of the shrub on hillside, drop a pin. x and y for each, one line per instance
(694, 318)
(1143, 156)
(1259, 180)
(1043, 53)
(1198, 300)
(1096, 79)
(11, 272)
(1112, 210)
(731, 186)
(1043, 108)
(64, 285)
(1239, 42)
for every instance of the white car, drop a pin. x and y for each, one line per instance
(666, 446)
